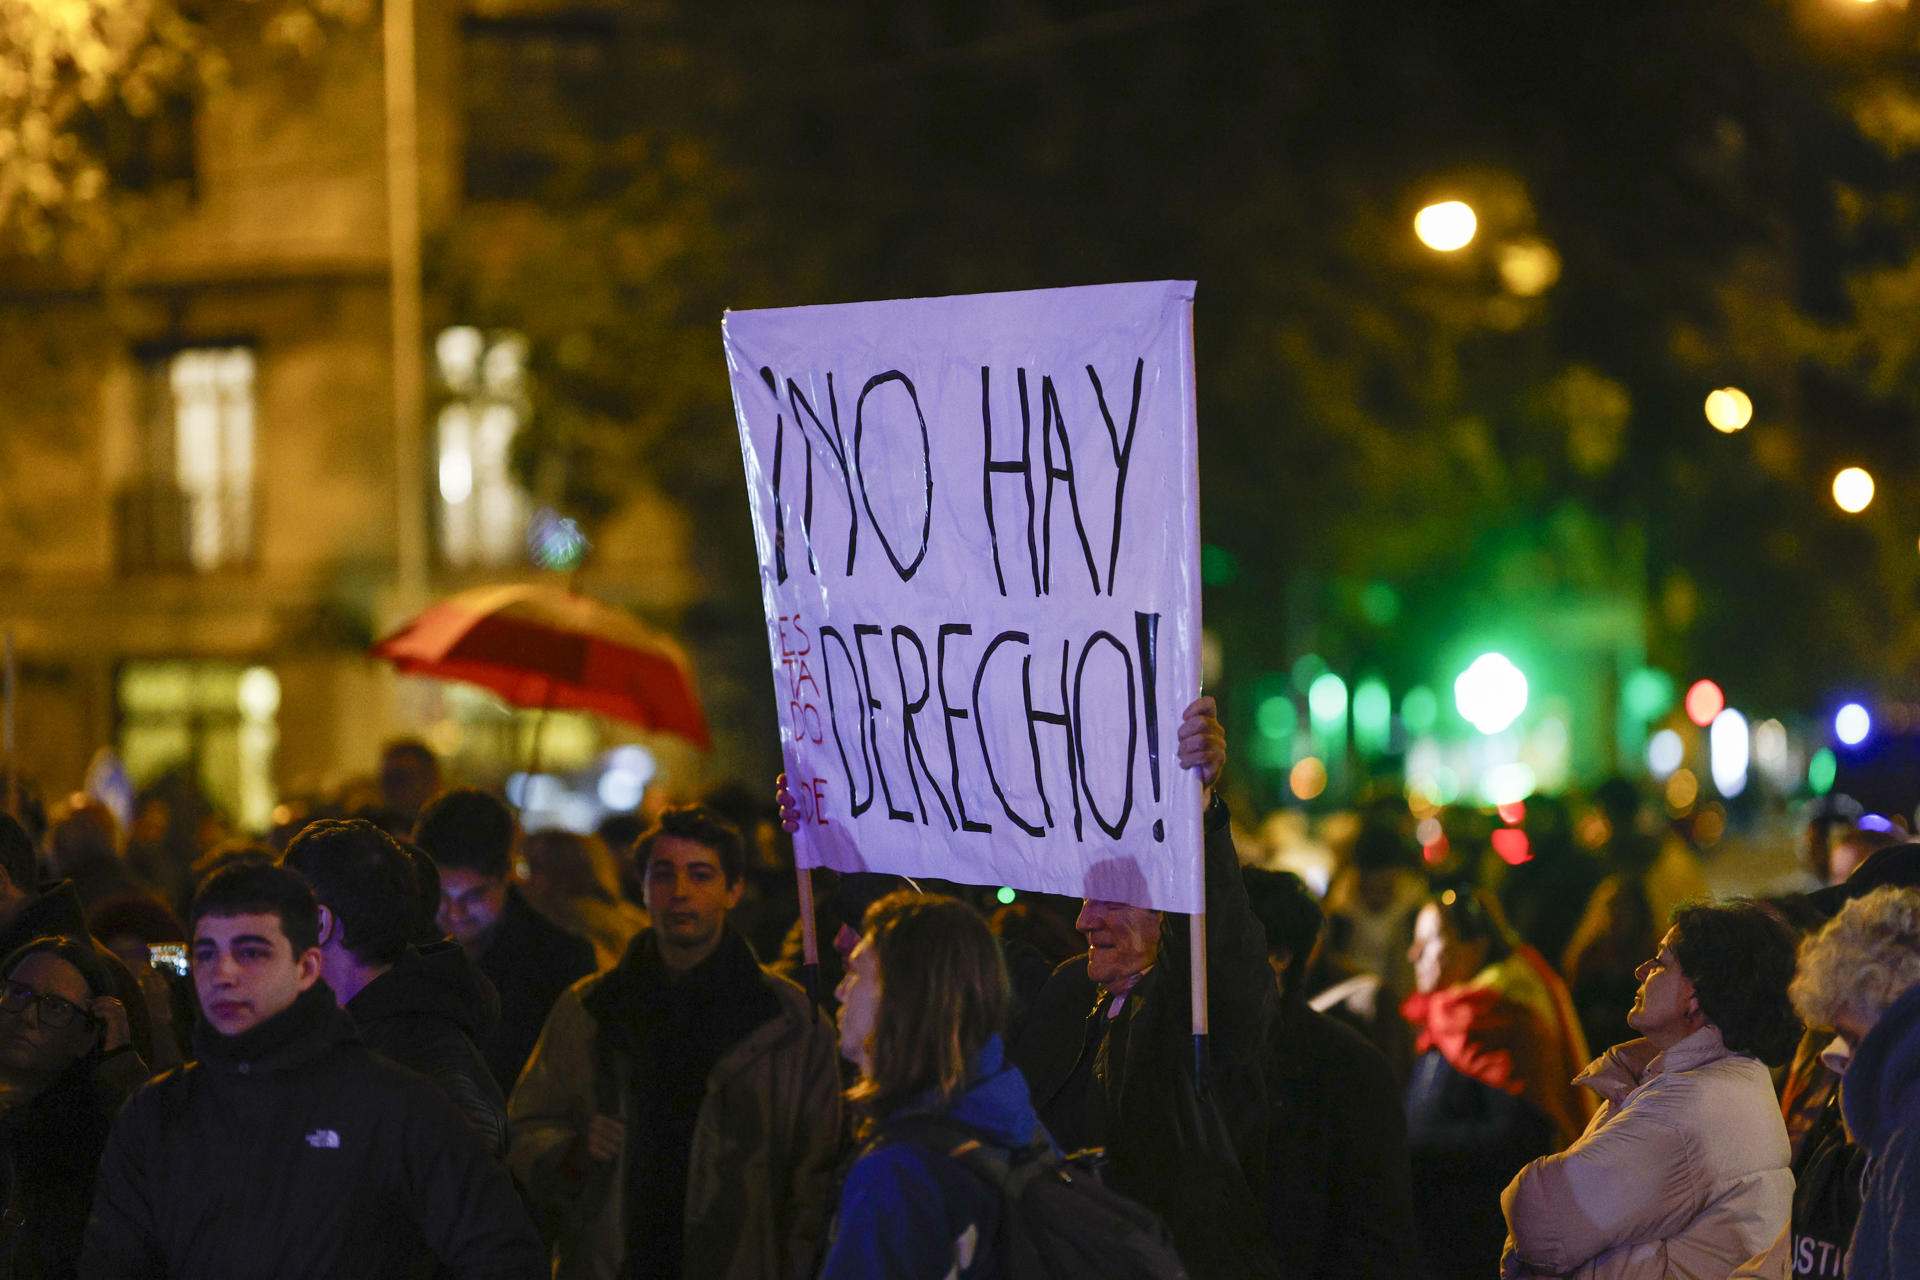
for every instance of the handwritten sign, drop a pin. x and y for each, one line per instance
(977, 524)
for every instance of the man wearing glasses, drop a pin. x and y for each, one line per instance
(287, 1148)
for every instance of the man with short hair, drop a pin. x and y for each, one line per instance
(1683, 1170)
(288, 1148)
(681, 1113)
(530, 960)
(423, 1009)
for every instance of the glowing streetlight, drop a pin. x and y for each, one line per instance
(1446, 226)
(1853, 490)
(1729, 409)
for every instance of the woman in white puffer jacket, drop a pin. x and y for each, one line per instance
(1683, 1172)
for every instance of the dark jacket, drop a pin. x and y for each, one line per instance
(292, 1151)
(57, 912)
(530, 960)
(50, 1151)
(910, 1212)
(1195, 1158)
(427, 1013)
(1881, 1098)
(1341, 1201)
(1466, 1140)
(765, 1135)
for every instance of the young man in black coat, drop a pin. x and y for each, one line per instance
(288, 1148)
(1107, 1048)
(422, 1010)
(529, 959)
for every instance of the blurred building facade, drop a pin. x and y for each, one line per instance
(200, 502)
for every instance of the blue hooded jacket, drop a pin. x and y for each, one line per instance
(907, 1211)
(1881, 1099)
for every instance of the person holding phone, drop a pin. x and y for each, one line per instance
(66, 1065)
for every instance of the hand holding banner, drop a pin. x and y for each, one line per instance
(977, 524)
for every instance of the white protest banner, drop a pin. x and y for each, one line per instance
(978, 529)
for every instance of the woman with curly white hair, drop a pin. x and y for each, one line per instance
(1860, 975)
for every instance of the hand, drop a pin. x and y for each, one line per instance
(606, 1137)
(789, 807)
(1203, 743)
(115, 1031)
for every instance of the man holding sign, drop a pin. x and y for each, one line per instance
(977, 521)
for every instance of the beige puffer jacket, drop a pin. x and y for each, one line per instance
(1682, 1173)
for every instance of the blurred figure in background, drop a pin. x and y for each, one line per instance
(130, 928)
(83, 846)
(1860, 975)
(1363, 974)
(1546, 895)
(66, 1065)
(1492, 1088)
(1828, 818)
(572, 880)
(530, 960)
(409, 779)
(772, 899)
(1341, 1204)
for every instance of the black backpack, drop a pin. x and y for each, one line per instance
(1058, 1218)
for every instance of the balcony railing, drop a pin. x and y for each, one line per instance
(161, 527)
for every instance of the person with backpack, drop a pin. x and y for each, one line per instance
(957, 1177)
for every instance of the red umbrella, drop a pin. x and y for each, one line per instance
(549, 649)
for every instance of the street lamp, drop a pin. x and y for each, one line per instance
(1446, 226)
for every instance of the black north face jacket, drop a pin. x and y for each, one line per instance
(293, 1151)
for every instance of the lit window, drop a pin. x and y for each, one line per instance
(483, 512)
(217, 722)
(191, 506)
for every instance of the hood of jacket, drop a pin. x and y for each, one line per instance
(437, 981)
(1884, 1075)
(995, 1102)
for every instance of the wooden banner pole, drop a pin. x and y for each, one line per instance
(809, 932)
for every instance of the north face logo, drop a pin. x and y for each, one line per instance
(326, 1138)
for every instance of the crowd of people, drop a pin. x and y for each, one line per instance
(405, 1038)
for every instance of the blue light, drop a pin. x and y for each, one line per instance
(1852, 724)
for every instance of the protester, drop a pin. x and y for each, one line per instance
(1683, 1170)
(131, 927)
(409, 779)
(288, 1148)
(66, 1065)
(574, 881)
(1341, 1204)
(529, 959)
(681, 1115)
(922, 1008)
(25, 915)
(424, 1011)
(1860, 975)
(83, 846)
(1109, 1053)
(1497, 1049)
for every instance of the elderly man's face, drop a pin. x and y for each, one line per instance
(1122, 941)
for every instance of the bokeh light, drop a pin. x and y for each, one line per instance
(1853, 490)
(1327, 700)
(1729, 409)
(1682, 790)
(1006, 895)
(1822, 769)
(1446, 226)
(1665, 751)
(1528, 267)
(1419, 709)
(1729, 749)
(1491, 693)
(1512, 846)
(1308, 778)
(1852, 724)
(1705, 700)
